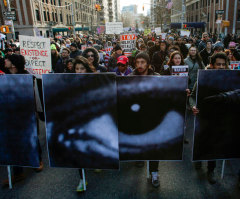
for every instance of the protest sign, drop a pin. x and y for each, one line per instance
(158, 30)
(89, 131)
(37, 54)
(234, 64)
(147, 31)
(18, 123)
(108, 49)
(217, 123)
(163, 35)
(185, 33)
(180, 70)
(151, 117)
(114, 27)
(128, 43)
(101, 29)
(58, 36)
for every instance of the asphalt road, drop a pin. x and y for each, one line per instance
(178, 180)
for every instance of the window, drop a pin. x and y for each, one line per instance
(56, 17)
(59, 2)
(54, 1)
(67, 19)
(37, 15)
(45, 16)
(48, 16)
(61, 19)
(53, 17)
(197, 5)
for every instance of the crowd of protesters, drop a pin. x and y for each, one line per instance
(153, 55)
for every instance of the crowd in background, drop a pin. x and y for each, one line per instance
(152, 55)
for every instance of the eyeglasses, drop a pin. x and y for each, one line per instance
(90, 55)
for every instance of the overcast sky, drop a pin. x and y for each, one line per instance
(139, 3)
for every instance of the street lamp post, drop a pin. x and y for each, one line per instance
(73, 18)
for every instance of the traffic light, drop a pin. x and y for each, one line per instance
(5, 3)
(69, 28)
(98, 7)
(143, 7)
(4, 29)
(184, 25)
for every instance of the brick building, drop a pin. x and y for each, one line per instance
(205, 11)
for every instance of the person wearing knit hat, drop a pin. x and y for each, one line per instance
(53, 47)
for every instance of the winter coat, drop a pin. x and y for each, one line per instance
(193, 68)
(158, 60)
(206, 56)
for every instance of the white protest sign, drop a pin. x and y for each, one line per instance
(2, 36)
(234, 64)
(185, 33)
(158, 30)
(37, 53)
(180, 70)
(108, 49)
(128, 43)
(163, 35)
(114, 27)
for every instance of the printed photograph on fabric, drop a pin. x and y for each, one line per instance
(18, 124)
(217, 124)
(81, 120)
(151, 112)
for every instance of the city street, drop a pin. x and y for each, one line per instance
(177, 180)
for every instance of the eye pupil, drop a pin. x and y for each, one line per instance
(135, 107)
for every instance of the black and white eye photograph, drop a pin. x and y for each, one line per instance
(151, 112)
(217, 124)
(81, 120)
(18, 124)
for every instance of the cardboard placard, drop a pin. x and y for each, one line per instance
(37, 53)
(114, 27)
(180, 70)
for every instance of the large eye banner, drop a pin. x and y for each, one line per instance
(151, 114)
(81, 120)
(18, 124)
(217, 124)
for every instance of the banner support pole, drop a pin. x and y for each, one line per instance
(148, 169)
(9, 177)
(84, 181)
(223, 167)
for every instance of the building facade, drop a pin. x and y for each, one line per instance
(49, 17)
(205, 11)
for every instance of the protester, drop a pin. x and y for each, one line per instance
(154, 48)
(62, 61)
(159, 57)
(207, 52)
(176, 59)
(194, 62)
(81, 65)
(54, 55)
(69, 66)
(218, 61)
(143, 68)
(112, 63)
(203, 42)
(122, 66)
(93, 57)
(74, 50)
